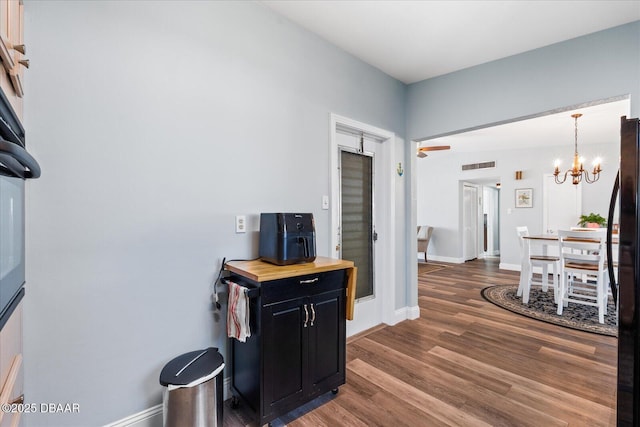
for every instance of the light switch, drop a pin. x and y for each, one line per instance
(325, 202)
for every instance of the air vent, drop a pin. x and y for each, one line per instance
(482, 165)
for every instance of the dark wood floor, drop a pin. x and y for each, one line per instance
(467, 362)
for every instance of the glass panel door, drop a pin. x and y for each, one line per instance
(356, 216)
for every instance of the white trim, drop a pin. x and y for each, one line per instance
(411, 218)
(413, 312)
(151, 417)
(384, 271)
(512, 267)
(437, 258)
(404, 313)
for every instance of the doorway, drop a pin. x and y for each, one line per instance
(480, 218)
(482, 138)
(364, 150)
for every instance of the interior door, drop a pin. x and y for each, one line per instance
(357, 229)
(350, 135)
(357, 212)
(470, 222)
(491, 211)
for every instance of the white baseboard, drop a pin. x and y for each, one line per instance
(152, 417)
(404, 313)
(437, 258)
(512, 267)
(413, 313)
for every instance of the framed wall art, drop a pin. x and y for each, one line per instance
(524, 197)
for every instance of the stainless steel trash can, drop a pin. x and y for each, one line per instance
(193, 395)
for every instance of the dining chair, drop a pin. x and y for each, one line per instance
(528, 261)
(583, 270)
(424, 236)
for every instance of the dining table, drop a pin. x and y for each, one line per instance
(545, 241)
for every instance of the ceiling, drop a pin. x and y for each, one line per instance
(416, 40)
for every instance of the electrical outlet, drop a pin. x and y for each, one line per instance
(241, 224)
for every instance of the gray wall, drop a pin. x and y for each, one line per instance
(590, 68)
(155, 124)
(597, 66)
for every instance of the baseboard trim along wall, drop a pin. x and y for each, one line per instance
(413, 313)
(152, 417)
(512, 267)
(437, 258)
(405, 313)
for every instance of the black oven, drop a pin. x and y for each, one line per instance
(11, 240)
(16, 165)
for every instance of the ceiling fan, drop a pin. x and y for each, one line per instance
(422, 150)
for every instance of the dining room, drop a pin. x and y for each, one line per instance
(522, 156)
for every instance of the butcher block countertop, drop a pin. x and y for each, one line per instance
(261, 271)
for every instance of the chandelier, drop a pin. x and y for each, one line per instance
(577, 171)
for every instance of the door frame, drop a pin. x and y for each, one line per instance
(385, 225)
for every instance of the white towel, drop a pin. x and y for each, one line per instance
(238, 313)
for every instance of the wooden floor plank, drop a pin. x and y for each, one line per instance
(450, 383)
(542, 335)
(421, 401)
(556, 401)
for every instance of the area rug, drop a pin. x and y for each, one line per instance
(542, 307)
(429, 267)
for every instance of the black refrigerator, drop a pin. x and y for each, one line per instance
(626, 292)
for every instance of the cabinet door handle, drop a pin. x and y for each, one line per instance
(17, 400)
(313, 314)
(309, 281)
(20, 48)
(306, 316)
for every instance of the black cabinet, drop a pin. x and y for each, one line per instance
(297, 348)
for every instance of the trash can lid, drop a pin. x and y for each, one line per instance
(190, 367)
